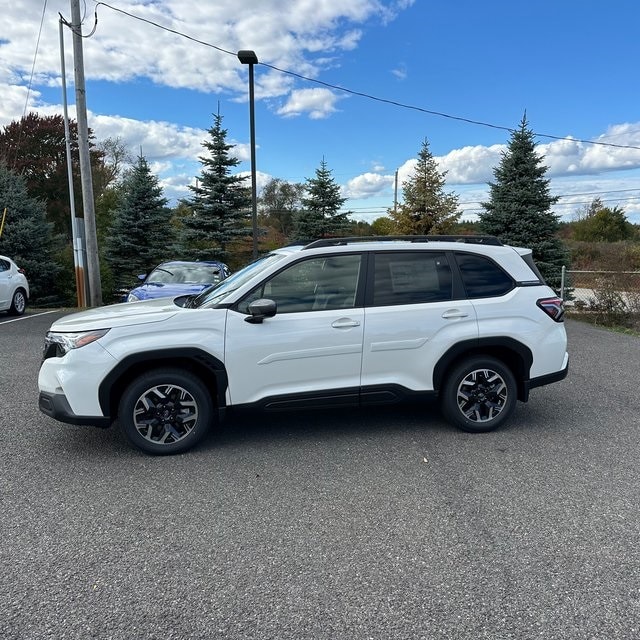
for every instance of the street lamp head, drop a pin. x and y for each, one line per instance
(247, 57)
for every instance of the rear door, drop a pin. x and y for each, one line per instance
(412, 318)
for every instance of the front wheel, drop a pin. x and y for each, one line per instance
(166, 411)
(479, 394)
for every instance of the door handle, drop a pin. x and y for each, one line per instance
(344, 323)
(455, 313)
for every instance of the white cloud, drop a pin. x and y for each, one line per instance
(470, 165)
(318, 103)
(367, 185)
(400, 72)
(123, 48)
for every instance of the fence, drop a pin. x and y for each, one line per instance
(608, 297)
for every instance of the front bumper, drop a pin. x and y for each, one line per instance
(56, 406)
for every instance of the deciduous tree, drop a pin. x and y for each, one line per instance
(35, 148)
(603, 224)
(280, 202)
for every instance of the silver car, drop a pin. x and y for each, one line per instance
(14, 288)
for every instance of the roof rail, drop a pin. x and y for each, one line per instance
(336, 242)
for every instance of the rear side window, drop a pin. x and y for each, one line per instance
(481, 277)
(411, 278)
(528, 258)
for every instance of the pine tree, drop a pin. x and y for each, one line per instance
(519, 208)
(140, 234)
(221, 205)
(426, 208)
(320, 216)
(28, 238)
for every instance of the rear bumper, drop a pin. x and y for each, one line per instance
(56, 406)
(549, 378)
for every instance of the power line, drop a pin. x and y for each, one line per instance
(29, 85)
(361, 93)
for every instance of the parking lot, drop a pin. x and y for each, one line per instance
(385, 524)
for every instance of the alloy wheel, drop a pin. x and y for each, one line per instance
(165, 414)
(482, 394)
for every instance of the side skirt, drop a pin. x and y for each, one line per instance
(339, 398)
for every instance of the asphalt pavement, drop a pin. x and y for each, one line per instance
(385, 524)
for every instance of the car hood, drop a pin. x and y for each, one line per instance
(118, 315)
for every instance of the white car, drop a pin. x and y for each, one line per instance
(14, 288)
(335, 323)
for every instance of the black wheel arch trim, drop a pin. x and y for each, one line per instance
(514, 354)
(190, 358)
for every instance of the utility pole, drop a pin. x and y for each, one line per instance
(77, 228)
(88, 205)
(395, 193)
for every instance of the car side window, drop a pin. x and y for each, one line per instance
(411, 278)
(481, 277)
(315, 284)
(4, 266)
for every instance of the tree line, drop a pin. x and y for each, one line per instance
(137, 229)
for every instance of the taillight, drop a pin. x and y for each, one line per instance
(22, 271)
(553, 307)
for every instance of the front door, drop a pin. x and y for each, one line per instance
(313, 345)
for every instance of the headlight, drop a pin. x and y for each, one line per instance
(57, 344)
(132, 297)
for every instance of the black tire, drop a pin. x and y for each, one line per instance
(166, 411)
(18, 303)
(479, 394)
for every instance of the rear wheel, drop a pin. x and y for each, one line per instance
(18, 303)
(166, 411)
(479, 394)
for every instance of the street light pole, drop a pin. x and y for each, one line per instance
(250, 58)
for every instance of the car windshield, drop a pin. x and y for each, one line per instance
(185, 274)
(218, 293)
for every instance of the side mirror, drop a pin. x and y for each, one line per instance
(142, 276)
(261, 309)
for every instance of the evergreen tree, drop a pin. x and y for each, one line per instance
(141, 232)
(28, 238)
(426, 207)
(320, 216)
(519, 209)
(221, 205)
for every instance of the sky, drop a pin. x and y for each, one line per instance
(358, 83)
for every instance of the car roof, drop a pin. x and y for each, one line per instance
(509, 257)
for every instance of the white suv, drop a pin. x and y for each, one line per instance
(338, 322)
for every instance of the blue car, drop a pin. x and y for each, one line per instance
(178, 278)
